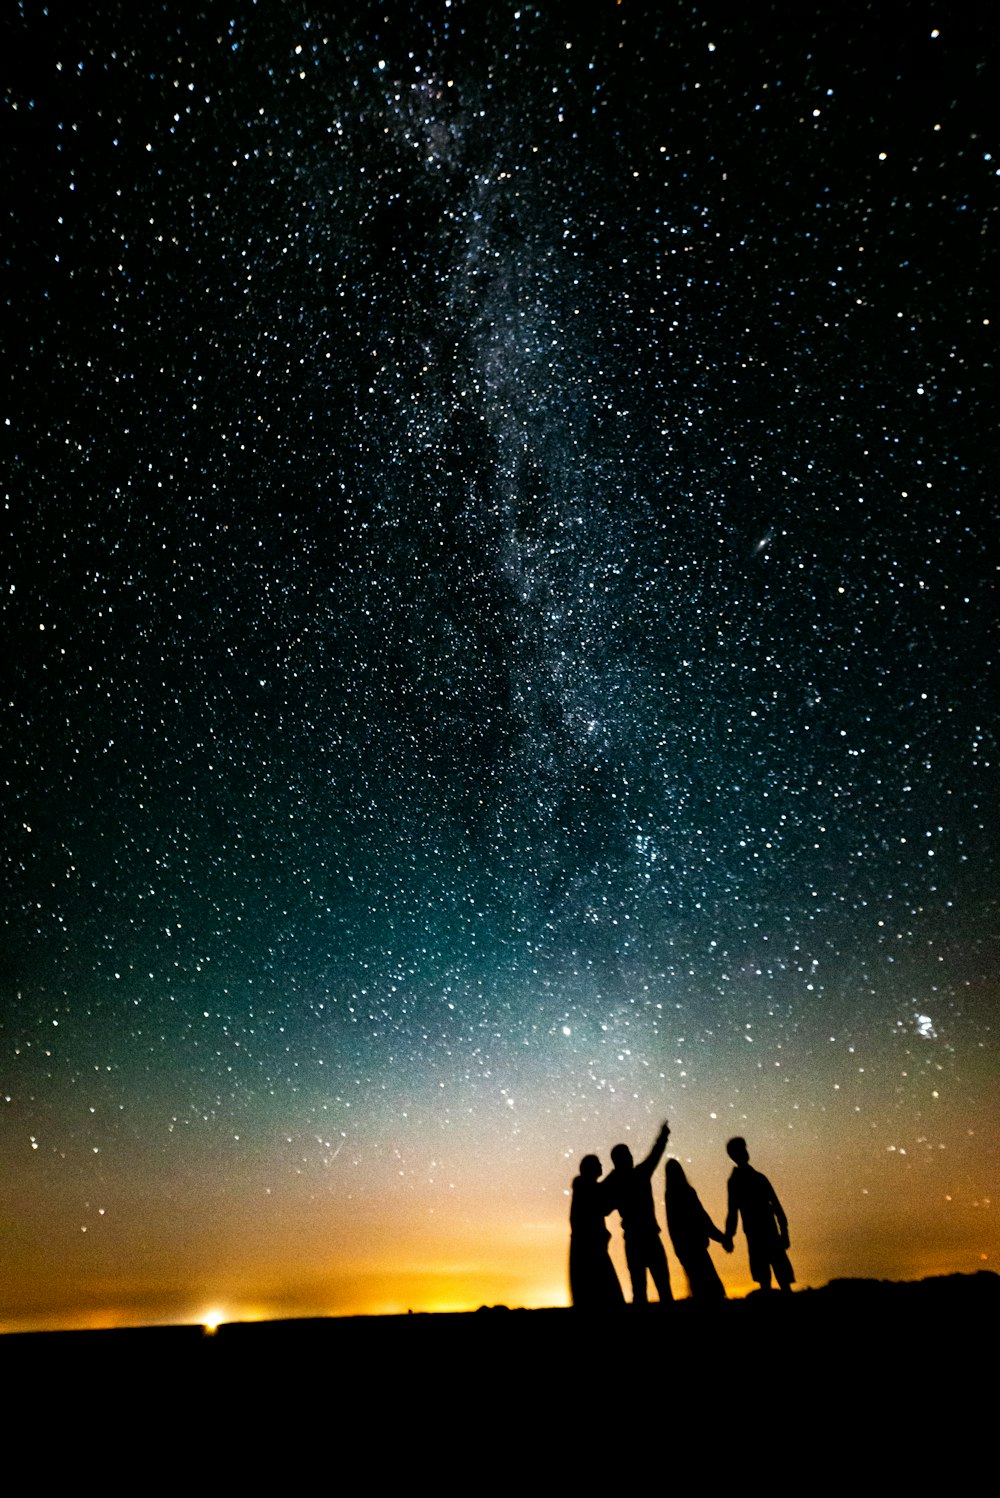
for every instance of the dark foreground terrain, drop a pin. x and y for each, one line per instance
(855, 1373)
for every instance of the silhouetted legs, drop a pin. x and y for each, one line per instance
(645, 1255)
(766, 1255)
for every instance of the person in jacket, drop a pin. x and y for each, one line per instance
(754, 1199)
(630, 1188)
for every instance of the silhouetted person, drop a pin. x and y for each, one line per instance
(593, 1284)
(690, 1228)
(752, 1197)
(630, 1187)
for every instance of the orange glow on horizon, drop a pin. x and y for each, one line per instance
(500, 1236)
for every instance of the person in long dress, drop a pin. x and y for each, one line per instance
(690, 1229)
(593, 1282)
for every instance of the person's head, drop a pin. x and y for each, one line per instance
(591, 1168)
(737, 1151)
(621, 1157)
(675, 1174)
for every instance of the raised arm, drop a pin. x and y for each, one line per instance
(655, 1155)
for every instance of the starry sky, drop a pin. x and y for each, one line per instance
(497, 649)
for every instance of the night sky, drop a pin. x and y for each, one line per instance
(496, 553)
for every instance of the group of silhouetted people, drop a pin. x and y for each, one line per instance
(628, 1190)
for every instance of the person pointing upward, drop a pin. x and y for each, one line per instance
(629, 1187)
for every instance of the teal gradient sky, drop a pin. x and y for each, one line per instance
(498, 644)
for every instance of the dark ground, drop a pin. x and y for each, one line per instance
(895, 1375)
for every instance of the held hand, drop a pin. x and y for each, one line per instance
(727, 1244)
(784, 1240)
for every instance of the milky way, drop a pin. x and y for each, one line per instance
(498, 652)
